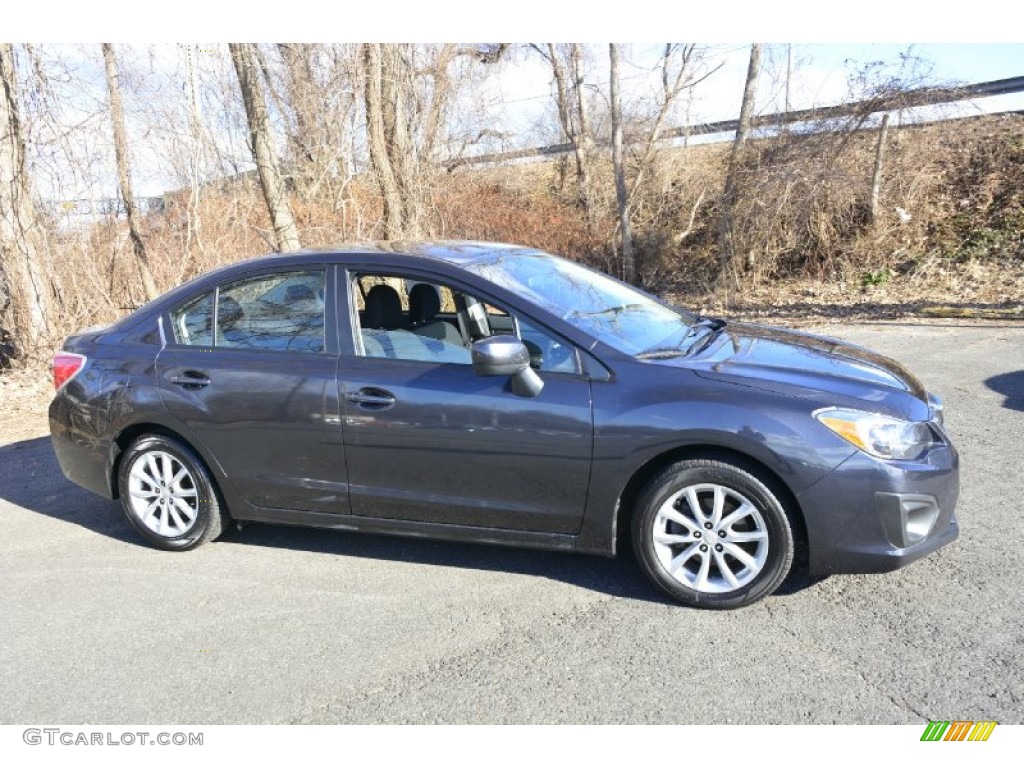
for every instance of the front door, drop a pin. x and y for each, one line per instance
(426, 439)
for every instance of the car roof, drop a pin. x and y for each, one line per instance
(455, 252)
(459, 252)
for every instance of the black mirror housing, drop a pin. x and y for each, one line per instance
(507, 356)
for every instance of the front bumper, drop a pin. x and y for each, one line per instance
(870, 516)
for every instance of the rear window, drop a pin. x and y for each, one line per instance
(282, 311)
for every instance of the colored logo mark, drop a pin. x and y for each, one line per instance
(958, 730)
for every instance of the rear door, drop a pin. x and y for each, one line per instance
(251, 369)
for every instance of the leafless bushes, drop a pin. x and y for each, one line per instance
(949, 190)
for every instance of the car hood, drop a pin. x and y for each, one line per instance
(773, 356)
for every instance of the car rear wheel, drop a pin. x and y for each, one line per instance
(168, 494)
(711, 534)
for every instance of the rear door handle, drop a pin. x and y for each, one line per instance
(371, 398)
(191, 380)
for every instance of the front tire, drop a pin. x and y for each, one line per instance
(711, 534)
(168, 494)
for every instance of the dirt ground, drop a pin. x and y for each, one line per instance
(25, 395)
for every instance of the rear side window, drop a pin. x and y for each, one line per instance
(193, 323)
(281, 311)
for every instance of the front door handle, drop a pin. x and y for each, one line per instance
(191, 380)
(371, 398)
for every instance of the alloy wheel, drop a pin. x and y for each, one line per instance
(710, 538)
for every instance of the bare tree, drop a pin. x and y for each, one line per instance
(397, 89)
(621, 192)
(394, 108)
(320, 89)
(681, 69)
(22, 256)
(124, 171)
(566, 63)
(727, 257)
(408, 94)
(286, 234)
(584, 142)
(377, 139)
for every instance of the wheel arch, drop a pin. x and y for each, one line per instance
(133, 432)
(643, 475)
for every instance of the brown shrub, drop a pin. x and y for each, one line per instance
(802, 214)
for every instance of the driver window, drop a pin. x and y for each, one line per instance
(409, 319)
(405, 319)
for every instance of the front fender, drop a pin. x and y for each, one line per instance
(637, 428)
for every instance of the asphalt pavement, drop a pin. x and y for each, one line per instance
(282, 625)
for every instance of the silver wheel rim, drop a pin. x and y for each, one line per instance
(710, 538)
(163, 494)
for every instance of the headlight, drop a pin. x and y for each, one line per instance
(878, 435)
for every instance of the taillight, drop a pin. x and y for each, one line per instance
(65, 366)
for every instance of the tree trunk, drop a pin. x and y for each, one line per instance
(22, 257)
(380, 159)
(876, 176)
(440, 91)
(621, 192)
(193, 218)
(583, 141)
(727, 257)
(396, 83)
(562, 105)
(572, 116)
(286, 234)
(124, 171)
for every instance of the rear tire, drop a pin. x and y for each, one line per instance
(711, 534)
(168, 494)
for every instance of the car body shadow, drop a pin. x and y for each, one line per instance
(31, 479)
(618, 577)
(1011, 387)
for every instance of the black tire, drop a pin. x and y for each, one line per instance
(176, 515)
(746, 554)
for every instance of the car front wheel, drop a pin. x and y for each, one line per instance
(168, 494)
(711, 534)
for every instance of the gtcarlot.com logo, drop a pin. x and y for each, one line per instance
(958, 730)
(59, 736)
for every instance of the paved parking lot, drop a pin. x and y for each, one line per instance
(300, 626)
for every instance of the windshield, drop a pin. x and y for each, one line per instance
(617, 314)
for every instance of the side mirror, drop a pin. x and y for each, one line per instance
(536, 355)
(507, 356)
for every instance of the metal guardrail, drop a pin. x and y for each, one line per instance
(921, 97)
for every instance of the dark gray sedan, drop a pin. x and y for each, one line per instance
(494, 393)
